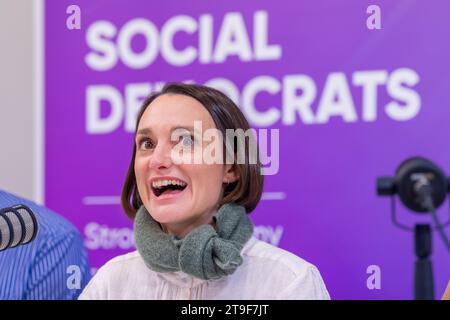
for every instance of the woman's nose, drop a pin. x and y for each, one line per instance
(161, 157)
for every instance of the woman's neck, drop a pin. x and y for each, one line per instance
(182, 229)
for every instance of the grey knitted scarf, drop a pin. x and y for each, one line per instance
(205, 252)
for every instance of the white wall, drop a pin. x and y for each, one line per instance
(19, 161)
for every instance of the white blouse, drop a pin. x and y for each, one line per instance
(267, 272)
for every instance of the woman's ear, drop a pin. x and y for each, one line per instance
(231, 174)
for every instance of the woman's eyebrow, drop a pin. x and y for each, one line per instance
(189, 128)
(144, 131)
(148, 130)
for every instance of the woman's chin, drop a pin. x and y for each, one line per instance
(169, 213)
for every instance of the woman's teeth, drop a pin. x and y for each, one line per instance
(163, 183)
(167, 186)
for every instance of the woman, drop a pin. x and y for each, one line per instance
(193, 237)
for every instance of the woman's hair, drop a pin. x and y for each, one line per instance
(247, 189)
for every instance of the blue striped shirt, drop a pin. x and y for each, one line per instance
(46, 267)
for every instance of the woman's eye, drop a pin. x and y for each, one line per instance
(188, 141)
(145, 144)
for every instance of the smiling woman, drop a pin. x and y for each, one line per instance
(179, 211)
(193, 235)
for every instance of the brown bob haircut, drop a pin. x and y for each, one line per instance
(247, 189)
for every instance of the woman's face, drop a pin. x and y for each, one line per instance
(191, 197)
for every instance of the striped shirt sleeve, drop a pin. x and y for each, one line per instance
(59, 270)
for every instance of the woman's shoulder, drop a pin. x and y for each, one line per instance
(290, 275)
(132, 256)
(128, 262)
(114, 274)
(266, 253)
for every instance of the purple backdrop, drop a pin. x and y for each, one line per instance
(321, 204)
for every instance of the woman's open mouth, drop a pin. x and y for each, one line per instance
(167, 187)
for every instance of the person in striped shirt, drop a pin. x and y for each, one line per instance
(53, 266)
